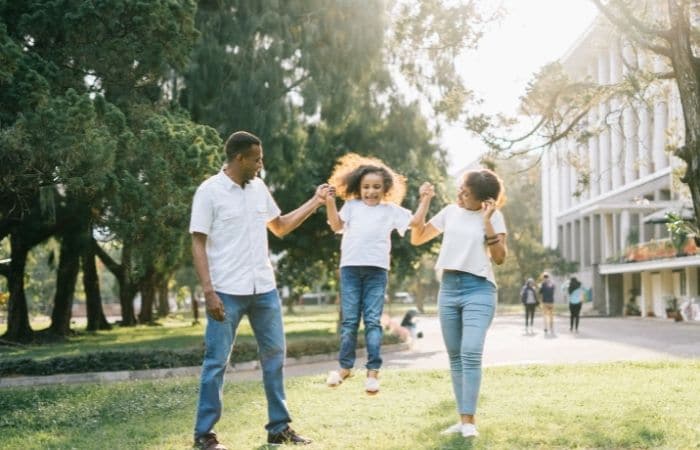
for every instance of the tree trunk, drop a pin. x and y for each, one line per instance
(122, 272)
(18, 328)
(96, 319)
(163, 303)
(148, 295)
(66, 276)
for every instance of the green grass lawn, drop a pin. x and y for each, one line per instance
(171, 334)
(622, 405)
(179, 333)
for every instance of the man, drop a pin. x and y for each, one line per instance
(547, 292)
(231, 213)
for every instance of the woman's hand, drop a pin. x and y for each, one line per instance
(488, 207)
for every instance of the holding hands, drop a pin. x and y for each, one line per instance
(426, 191)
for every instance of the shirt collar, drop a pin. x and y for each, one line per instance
(227, 181)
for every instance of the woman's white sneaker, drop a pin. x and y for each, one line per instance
(469, 430)
(453, 429)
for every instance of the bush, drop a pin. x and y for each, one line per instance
(158, 359)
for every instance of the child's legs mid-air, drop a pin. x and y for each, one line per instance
(351, 308)
(373, 290)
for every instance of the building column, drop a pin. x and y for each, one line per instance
(629, 125)
(660, 123)
(616, 137)
(546, 193)
(624, 229)
(604, 136)
(593, 152)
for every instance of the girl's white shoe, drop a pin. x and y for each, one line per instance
(371, 385)
(334, 379)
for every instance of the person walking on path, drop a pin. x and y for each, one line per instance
(528, 297)
(474, 235)
(373, 193)
(547, 291)
(576, 296)
(231, 213)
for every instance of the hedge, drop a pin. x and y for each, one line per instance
(108, 361)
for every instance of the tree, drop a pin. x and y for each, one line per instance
(318, 79)
(80, 85)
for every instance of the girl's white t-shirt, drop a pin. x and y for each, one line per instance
(367, 232)
(463, 245)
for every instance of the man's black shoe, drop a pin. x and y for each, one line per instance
(208, 442)
(287, 436)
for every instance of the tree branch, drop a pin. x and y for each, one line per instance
(635, 29)
(114, 267)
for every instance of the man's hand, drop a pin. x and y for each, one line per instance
(322, 192)
(214, 306)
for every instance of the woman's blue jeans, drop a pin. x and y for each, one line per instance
(265, 315)
(362, 290)
(466, 306)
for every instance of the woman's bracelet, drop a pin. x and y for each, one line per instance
(494, 242)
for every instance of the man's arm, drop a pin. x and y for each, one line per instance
(214, 305)
(283, 225)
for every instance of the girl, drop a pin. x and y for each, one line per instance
(372, 194)
(475, 235)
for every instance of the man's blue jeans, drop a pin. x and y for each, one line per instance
(466, 306)
(265, 316)
(362, 291)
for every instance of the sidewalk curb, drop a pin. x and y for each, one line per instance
(172, 372)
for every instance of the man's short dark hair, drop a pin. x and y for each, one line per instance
(239, 142)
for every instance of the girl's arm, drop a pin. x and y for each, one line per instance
(496, 242)
(334, 219)
(420, 231)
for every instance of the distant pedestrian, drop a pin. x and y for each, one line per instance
(547, 291)
(576, 296)
(373, 193)
(528, 297)
(474, 236)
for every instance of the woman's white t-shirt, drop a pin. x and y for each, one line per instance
(463, 245)
(367, 232)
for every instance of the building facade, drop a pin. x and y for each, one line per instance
(610, 225)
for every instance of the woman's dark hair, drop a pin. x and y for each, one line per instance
(484, 184)
(574, 284)
(353, 180)
(239, 142)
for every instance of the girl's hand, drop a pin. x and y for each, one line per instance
(488, 207)
(426, 190)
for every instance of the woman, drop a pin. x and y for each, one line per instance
(475, 235)
(576, 293)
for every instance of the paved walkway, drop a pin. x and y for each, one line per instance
(599, 340)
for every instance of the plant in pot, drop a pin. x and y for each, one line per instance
(680, 228)
(672, 311)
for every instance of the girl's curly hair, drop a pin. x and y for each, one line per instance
(349, 170)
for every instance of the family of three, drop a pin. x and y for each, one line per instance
(231, 213)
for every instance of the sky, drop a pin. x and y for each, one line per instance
(532, 34)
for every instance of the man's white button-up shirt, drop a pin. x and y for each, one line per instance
(235, 222)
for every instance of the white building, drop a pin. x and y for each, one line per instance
(631, 177)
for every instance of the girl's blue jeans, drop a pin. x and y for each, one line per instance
(362, 290)
(466, 306)
(265, 315)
